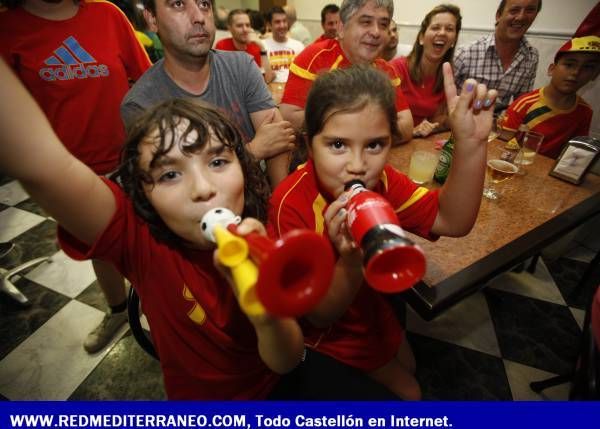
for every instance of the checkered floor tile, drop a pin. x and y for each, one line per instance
(522, 327)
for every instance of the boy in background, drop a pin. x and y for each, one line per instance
(556, 111)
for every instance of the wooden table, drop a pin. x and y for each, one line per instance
(534, 210)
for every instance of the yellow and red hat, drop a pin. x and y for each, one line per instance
(580, 44)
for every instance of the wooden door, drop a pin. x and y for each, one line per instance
(266, 5)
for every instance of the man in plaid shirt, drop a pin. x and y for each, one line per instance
(503, 60)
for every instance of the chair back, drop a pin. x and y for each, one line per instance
(140, 335)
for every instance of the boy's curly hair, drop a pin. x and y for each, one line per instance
(208, 122)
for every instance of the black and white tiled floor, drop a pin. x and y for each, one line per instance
(489, 347)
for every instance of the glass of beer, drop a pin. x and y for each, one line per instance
(498, 170)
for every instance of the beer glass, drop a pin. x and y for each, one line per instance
(499, 169)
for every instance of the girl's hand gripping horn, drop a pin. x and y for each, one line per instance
(392, 263)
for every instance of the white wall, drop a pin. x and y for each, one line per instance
(556, 22)
(238, 4)
(561, 16)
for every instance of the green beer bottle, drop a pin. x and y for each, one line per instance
(443, 167)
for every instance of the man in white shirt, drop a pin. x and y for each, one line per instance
(297, 30)
(281, 49)
(393, 49)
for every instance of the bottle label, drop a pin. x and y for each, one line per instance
(443, 167)
(366, 210)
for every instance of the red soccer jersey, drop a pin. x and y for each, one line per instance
(323, 56)
(368, 334)
(321, 38)
(207, 346)
(77, 73)
(557, 126)
(423, 102)
(251, 48)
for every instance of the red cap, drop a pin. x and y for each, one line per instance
(580, 44)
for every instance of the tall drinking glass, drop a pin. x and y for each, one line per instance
(531, 145)
(498, 170)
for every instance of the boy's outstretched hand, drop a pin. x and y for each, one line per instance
(470, 113)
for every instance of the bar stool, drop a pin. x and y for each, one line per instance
(6, 284)
(5, 248)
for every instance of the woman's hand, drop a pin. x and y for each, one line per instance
(425, 128)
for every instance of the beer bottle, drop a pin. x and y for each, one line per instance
(514, 145)
(443, 167)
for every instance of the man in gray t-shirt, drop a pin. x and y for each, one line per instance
(229, 80)
(235, 85)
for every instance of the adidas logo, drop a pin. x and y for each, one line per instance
(70, 61)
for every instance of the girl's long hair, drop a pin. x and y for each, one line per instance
(416, 54)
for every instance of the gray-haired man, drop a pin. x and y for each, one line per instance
(362, 38)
